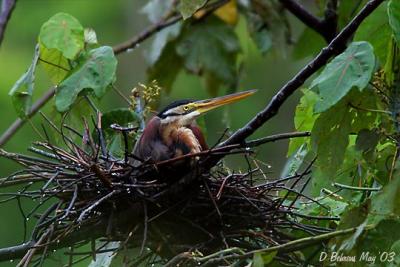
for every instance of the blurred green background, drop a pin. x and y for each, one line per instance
(114, 22)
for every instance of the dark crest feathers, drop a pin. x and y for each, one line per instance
(174, 104)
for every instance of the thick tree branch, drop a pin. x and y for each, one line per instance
(7, 8)
(326, 27)
(335, 47)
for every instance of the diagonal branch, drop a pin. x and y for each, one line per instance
(337, 45)
(7, 8)
(326, 27)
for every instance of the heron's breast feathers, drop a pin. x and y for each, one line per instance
(182, 139)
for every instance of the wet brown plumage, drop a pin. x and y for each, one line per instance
(174, 132)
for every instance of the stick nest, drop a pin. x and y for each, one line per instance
(179, 216)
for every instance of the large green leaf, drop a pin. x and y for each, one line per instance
(330, 135)
(211, 46)
(367, 140)
(189, 7)
(375, 29)
(304, 119)
(54, 64)
(394, 17)
(166, 68)
(352, 68)
(96, 71)
(64, 33)
(22, 91)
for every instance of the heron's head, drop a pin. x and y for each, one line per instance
(184, 112)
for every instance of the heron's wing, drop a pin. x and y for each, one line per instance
(150, 145)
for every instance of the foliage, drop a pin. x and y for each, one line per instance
(354, 132)
(351, 107)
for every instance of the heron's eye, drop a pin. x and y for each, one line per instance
(185, 108)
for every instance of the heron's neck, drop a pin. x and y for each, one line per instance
(174, 132)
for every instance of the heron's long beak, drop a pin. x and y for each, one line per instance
(209, 104)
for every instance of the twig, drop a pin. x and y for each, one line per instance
(94, 205)
(335, 47)
(325, 27)
(145, 228)
(7, 8)
(296, 244)
(355, 188)
(154, 28)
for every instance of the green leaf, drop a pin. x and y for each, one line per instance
(189, 7)
(367, 140)
(330, 135)
(166, 68)
(362, 103)
(161, 40)
(294, 162)
(393, 11)
(54, 64)
(211, 46)
(261, 259)
(22, 91)
(64, 33)
(257, 260)
(304, 119)
(116, 147)
(326, 206)
(352, 68)
(96, 71)
(375, 29)
(354, 216)
(384, 157)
